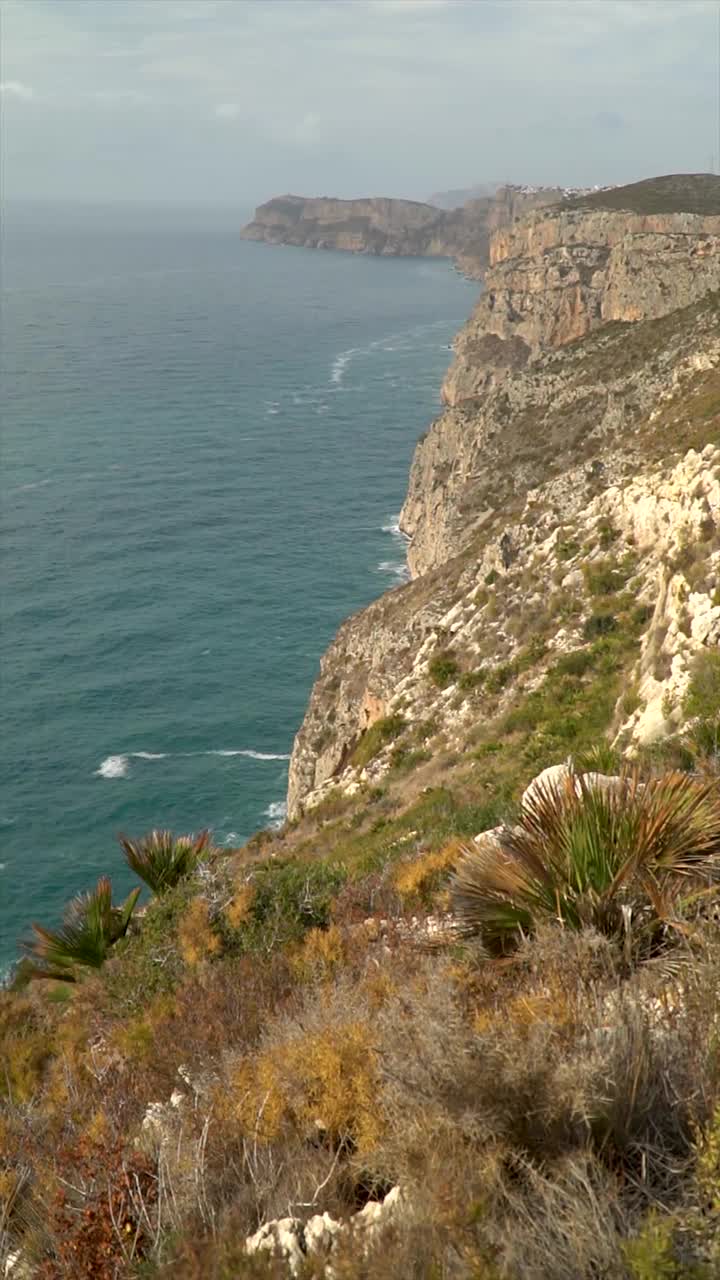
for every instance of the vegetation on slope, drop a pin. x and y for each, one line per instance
(278, 1035)
(673, 193)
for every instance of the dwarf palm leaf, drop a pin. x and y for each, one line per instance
(91, 925)
(162, 859)
(585, 854)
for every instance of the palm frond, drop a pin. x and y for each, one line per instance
(162, 859)
(90, 927)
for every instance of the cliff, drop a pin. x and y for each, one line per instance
(583, 398)
(386, 226)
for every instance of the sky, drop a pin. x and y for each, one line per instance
(228, 102)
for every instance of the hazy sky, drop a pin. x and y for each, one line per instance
(231, 101)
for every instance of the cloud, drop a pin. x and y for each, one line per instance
(16, 89)
(399, 96)
(228, 110)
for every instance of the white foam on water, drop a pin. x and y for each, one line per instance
(398, 569)
(35, 484)
(276, 812)
(340, 364)
(113, 767)
(393, 526)
(250, 755)
(3, 866)
(118, 766)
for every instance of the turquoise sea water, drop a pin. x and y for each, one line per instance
(205, 443)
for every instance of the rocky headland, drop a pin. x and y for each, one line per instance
(395, 227)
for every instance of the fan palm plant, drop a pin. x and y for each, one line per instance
(91, 925)
(624, 859)
(162, 859)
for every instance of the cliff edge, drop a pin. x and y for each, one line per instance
(583, 396)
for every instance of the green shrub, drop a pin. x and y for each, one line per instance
(703, 695)
(375, 738)
(290, 897)
(404, 759)
(443, 668)
(567, 548)
(603, 577)
(472, 679)
(607, 534)
(620, 860)
(575, 663)
(500, 677)
(162, 859)
(599, 624)
(649, 1254)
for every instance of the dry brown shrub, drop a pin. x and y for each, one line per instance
(421, 877)
(101, 1215)
(197, 938)
(323, 1079)
(320, 954)
(238, 910)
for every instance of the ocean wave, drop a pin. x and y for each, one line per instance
(397, 568)
(113, 767)
(251, 755)
(340, 364)
(393, 527)
(118, 766)
(276, 812)
(390, 342)
(34, 484)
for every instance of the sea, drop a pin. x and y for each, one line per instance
(205, 444)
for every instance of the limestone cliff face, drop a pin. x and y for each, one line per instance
(362, 226)
(583, 411)
(394, 227)
(553, 278)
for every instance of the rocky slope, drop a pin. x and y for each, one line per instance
(395, 227)
(574, 470)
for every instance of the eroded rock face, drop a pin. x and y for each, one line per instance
(553, 277)
(585, 388)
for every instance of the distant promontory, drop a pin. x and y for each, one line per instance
(386, 226)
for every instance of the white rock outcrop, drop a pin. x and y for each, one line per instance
(293, 1240)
